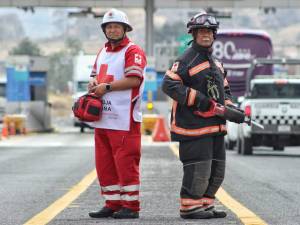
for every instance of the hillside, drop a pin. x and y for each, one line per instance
(283, 26)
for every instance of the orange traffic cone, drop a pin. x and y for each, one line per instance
(160, 131)
(4, 133)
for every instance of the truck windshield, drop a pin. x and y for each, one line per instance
(82, 86)
(276, 91)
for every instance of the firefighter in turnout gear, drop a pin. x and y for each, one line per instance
(117, 78)
(197, 84)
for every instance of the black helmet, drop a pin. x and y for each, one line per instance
(203, 20)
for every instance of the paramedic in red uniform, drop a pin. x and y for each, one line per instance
(118, 80)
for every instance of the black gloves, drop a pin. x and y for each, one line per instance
(234, 114)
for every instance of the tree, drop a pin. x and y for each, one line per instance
(61, 65)
(26, 47)
(60, 71)
(73, 45)
(169, 32)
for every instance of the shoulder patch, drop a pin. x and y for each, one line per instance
(175, 67)
(138, 59)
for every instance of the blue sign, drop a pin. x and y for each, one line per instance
(150, 79)
(37, 78)
(17, 87)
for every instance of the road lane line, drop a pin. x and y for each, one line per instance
(246, 216)
(55, 208)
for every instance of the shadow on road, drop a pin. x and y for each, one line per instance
(290, 152)
(264, 154)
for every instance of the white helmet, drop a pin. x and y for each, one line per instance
(116, 16)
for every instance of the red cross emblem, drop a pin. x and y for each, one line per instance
(103, 77)
(138, 59)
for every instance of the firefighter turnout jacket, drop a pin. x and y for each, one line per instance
(194, 80)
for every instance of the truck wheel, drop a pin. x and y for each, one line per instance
(82, 129)
(246, 146)
(231, 145)
(278, 148)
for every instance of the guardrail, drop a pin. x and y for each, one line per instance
(12, 125)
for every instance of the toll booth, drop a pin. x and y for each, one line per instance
(26, 91)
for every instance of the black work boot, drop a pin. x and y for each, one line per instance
(126, 213)
(199, 213)
(218, 213)
(102, 213)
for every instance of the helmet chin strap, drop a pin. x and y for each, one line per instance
(115, 41)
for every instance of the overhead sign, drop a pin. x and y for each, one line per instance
(183, 41)
(37, 79)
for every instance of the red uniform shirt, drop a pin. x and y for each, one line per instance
(135, 62)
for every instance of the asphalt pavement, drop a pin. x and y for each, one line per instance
(267, 182)
(161, 179)
(38, 169)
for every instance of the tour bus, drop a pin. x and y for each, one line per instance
(236, 48)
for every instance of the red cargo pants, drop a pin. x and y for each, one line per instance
(118, 156)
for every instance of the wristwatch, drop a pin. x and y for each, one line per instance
(108, 87)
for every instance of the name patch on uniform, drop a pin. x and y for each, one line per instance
(106, 104)
(175, 67)
(138, 59)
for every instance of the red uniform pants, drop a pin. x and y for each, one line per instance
(118, 156)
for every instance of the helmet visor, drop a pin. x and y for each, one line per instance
(201, 20)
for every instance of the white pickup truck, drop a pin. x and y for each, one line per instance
(273, 101)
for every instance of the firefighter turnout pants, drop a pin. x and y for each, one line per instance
(203, 170)
(117, 156)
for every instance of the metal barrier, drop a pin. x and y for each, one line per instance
(14, 124)
(149, 121)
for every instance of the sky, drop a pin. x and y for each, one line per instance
(40, 24)
(29, 21)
